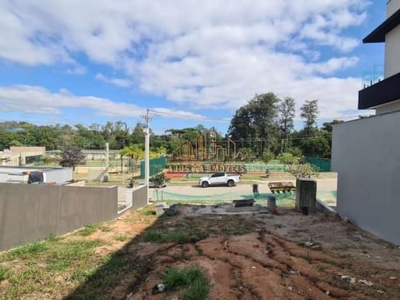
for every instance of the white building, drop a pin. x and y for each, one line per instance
(366, 152)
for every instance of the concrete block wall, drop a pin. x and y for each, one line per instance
(29, 213)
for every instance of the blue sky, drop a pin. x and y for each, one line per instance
(189, 62)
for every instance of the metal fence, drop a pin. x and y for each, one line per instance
(324, 165)
(156, 165)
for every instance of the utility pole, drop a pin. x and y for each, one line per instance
(146, 131)
(107, 162)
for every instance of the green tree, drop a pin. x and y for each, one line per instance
(137, 136)
(316, 146)
(295, 151)
(134, 151)
(267, 156)
(287, 112)
(257, 119)
(309, 112)
(71, 157)
(15, 143)
(288, 158)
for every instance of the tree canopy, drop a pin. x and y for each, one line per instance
(71, 157)
(262, 128)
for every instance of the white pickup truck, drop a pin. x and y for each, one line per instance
(219, 179)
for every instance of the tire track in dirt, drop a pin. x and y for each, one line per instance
(255, 267)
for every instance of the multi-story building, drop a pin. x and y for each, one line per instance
(366, 152)
(384, 96)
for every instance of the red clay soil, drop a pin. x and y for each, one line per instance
(248, 257)
(269, 264)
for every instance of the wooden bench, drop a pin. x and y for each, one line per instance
(281, 187)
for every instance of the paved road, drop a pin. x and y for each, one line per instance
(326, 184)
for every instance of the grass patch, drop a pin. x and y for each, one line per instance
(98, 283)
(194, 229)
(25, 251)
(82, 275)
(89, 229)
(121, 237)
(105, 228)
(112, 263)
(179, 237)
(73, 251)
(53, 238)
(39, 264)
(4, 271)
(334, 263)
(192, 279)
(392, 246)
(58, 266)
(147, 211)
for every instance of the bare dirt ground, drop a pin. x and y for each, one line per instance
(244, 256)
(256, 256)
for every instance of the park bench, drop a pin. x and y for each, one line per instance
(281, 187)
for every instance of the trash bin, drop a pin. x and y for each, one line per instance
(255, 189)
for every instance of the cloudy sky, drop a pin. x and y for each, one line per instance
(192, 62)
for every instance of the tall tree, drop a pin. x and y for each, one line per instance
(309, 112)
(137, 136)
(257, 120)
(240, 124)
(287, 112)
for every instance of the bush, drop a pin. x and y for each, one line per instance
(303, 170)
(159, 180)
(288, 158)
(267, 156)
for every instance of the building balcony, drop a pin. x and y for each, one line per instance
(378, 35)
(380, 93)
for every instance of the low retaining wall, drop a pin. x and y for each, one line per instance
(29, 213)
(139, 197)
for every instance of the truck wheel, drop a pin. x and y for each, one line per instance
(204, 184)
(231, 183)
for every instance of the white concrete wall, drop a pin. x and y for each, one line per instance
(387, 108)
(391, 7)
(392, 50)
(366, 155)
(58, 175)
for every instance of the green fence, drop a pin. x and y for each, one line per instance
(156, 166)
(283, 199)
(324, 165)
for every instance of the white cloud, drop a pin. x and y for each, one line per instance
(38, 100)
(121, 82)
(198, 54)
